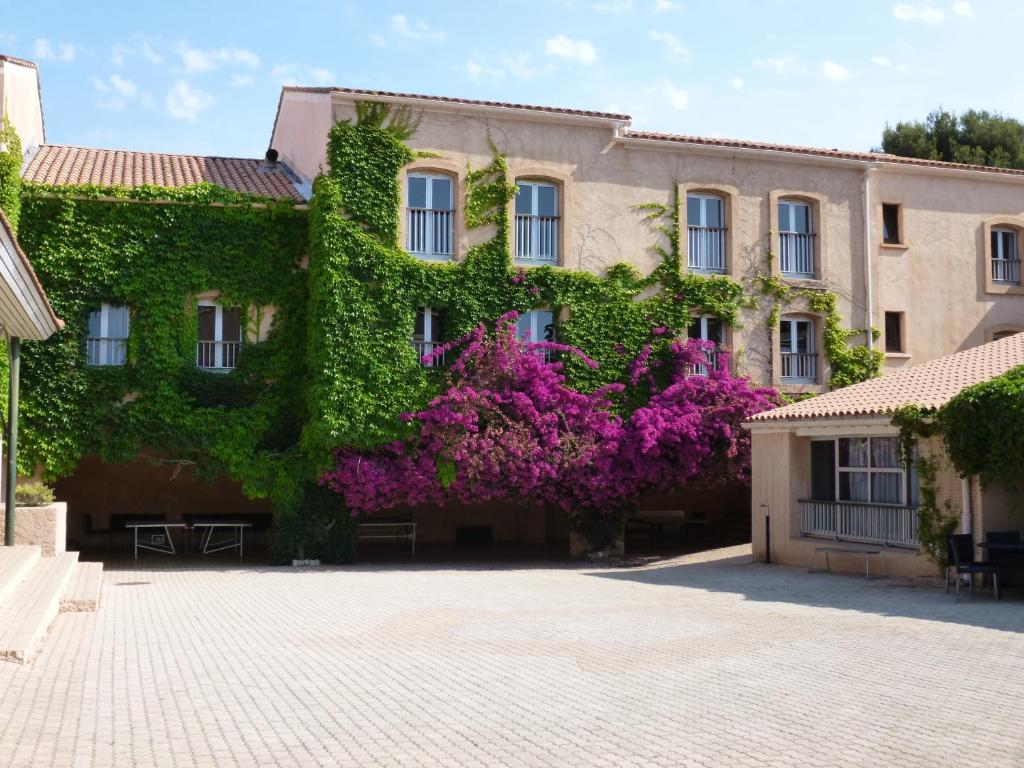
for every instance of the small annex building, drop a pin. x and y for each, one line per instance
(828, 469)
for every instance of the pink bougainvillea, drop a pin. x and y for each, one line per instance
(508, 426)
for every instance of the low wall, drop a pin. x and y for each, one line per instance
(44, 527)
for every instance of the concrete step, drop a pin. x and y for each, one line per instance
(82, 592)
(15, 562)
(28, 610)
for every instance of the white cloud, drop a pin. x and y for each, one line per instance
(663, 6)
(240, 81)
(183, 102)
(115, 92)
(321, 76)
(122, 51)
(198, 60)
(884, 62)
(926, 14)
(47, 51)
(737, 83)
(564, 47)
(417, 30)
(292, 73)
(675, 48)
(963, 9)
(614, 6)
(834, 73)
(677, 97)
(787, 64)
(520, 65)
(378, 40)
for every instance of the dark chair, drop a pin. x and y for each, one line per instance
(92, 530)
(1005, 561)
(960, 558)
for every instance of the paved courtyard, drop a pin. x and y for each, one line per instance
(706, 660)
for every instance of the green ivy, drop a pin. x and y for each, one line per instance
(10, 172)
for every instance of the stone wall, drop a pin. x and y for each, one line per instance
(45, 527)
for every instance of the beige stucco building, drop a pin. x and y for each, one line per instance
(926, 252)
(830, 469)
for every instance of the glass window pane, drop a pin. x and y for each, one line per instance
(117, 322)
(694, 331)
(885, 487)
(890, 223)
(853, 486)
(803, 336)
(715, 328)
(435, 325)
(885, 452)
(545, 325)
(417, 192)
(713, 212)
(547, 200)
(1010, 246)
(418, 328)
(785, 217)
(523, 325)
(801, 218)
(786, 336)
(441, 194)
(913, 484)
(524, 199)
(853, 452)
(94, 323)
(996, 243)
(231, 326)
(207, 323)
(693, 217)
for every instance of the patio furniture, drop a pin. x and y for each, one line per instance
(960, 558)
(866, 553)
(152, 538)
(234, 535)
(389, 530)
(91, 530)
(1005, 550)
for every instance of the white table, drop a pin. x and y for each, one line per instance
(235, 533)
(392, 531)
(154, 542)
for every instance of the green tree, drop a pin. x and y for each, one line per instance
(978, 137)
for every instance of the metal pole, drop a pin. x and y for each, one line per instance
(14, 353)
(767, 534)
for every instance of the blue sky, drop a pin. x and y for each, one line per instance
(203, 76)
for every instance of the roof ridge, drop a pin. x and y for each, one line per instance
(147, 152)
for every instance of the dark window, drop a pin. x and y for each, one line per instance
(893, 331)
(823, 470)
(891, 223)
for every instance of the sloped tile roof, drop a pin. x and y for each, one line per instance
(864, 157)
(66, 165)
(453, 100)
(930, 385)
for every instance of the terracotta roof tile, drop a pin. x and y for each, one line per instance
(453, 100)
(863, 157)
(64, 165)
(930, 385)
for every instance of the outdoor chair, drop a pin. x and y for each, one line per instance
(960, 558)
(92, 530)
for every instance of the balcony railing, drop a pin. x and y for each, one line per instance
(217, 354)
(1006, 271)
(714, 359)
(890, 525)
(797, 254)
(102, 350)
(800, 366)
(424, 348)
(706, 249)
(536, 239)
(430, 233)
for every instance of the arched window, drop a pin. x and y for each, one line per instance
(705, 229)
(220, 336)
(430, 220)
(107, 340)
(1005, 256)
(707, 328)
(797, 348)
(796, 238)
(537, 325)
(537, 223)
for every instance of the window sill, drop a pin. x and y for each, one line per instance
(894, 246)
(535, 263)
(899, 355)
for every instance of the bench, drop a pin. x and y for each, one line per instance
(392, 530)
(866, 553)
(654, 522)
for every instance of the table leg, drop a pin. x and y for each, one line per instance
(136, 529)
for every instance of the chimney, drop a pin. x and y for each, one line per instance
(21, 100)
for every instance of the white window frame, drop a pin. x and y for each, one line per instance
(426, 345)
(999, 254)
(793, 346)
(787, 228)
(104, 346)
(535, 223)
(900, 469)
(703, 320)
(701, 224)
(219, 341)
(430, 250)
